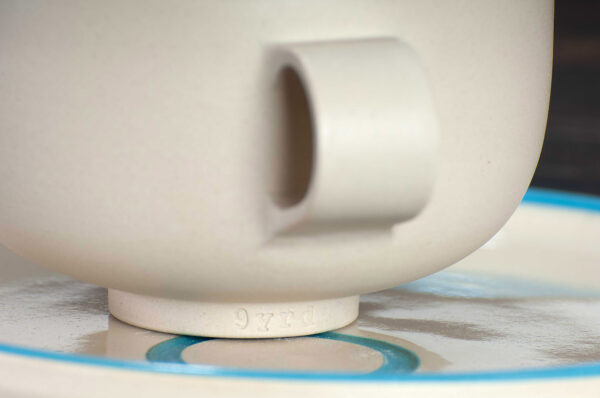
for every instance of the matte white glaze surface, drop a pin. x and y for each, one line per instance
(136, 140)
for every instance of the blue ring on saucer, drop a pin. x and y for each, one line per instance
(396, 359)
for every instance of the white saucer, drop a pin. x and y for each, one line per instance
(521, 316)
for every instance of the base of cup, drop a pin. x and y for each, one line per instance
(232, 320)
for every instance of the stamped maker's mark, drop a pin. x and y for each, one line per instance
(267, 321)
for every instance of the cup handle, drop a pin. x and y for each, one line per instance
(374, 132)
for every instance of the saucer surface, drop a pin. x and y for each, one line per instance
(520, 315)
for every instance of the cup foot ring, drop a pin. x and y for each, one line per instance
(232, 320)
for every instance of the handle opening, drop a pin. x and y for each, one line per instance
(292, 165)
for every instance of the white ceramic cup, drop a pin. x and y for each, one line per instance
(249, 168)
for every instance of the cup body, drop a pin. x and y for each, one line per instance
(136, 141)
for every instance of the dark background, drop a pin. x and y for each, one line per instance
(570, 158)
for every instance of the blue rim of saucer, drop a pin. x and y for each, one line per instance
(549, 197)
(533, 196)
